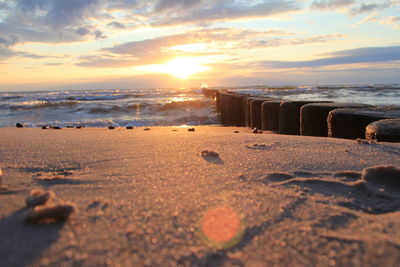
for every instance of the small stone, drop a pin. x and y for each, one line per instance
(70, 126)
(111, 127)
(129, 127)
(50, 213)
(19, 125)
(78, 127)
(256, 131)
(191, 130)
(39, 197)
(146, 129)
(206, 153)
(44, 127)
(236, 132)
(362, 141)
(242, 178)
(56, 128)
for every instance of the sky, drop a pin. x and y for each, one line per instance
(127, 44)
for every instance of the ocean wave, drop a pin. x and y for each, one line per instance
(6, 97)
(195, 120)
(183, 105)
(152, 107)
(305, 89)
(166, 121)
(118, 108)
(36, 104)
(101, 97)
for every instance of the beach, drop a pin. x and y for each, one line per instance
(155, 198)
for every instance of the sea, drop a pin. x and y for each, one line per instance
(162, 107)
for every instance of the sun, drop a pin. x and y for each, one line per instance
(181, 68)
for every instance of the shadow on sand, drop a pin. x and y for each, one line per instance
(22, 244)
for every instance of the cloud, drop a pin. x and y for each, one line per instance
(208, 36)
(48, 21)
(162, 49)
(61, 21)
(53, 64)
(368, 8)
(8, 41)
(116, 25)
(391, 21)
(6, 53)
(208, 42)
(32, 5)
(163, 5)
(60, 13)
(123, 4)
(82, 31)
(294, 41)
(99, 35)
(215, 11)
(353, 56)
(105, 61)
(331, 4)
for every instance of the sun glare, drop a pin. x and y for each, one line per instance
(181, 68)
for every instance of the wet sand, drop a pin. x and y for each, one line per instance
(169, 197)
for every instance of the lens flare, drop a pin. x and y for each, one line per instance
(221, 227)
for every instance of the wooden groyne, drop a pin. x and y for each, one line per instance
(310, 118)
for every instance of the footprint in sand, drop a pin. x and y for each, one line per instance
(276, 177)
(5, 190)
(382, 180)
(58, 177)
(212, 157)
(376, 190)
(98, 204)
(303, 174)
(281, 176)
(96, 209)
(262, 146)
(336, 222)
(348, 175)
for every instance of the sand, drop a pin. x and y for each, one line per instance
(152, 198)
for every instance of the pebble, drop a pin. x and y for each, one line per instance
(44, 127)
(50, 213)
(256, 131)
(209, 153)
(70, 126)
(111, 127)
(19, 125)
(78, 127)
(191, 130)
(129, 127)
(56, 128)
(146, 129)
(236, 132)
(362, 141)
(242, 178)
(39, 197)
